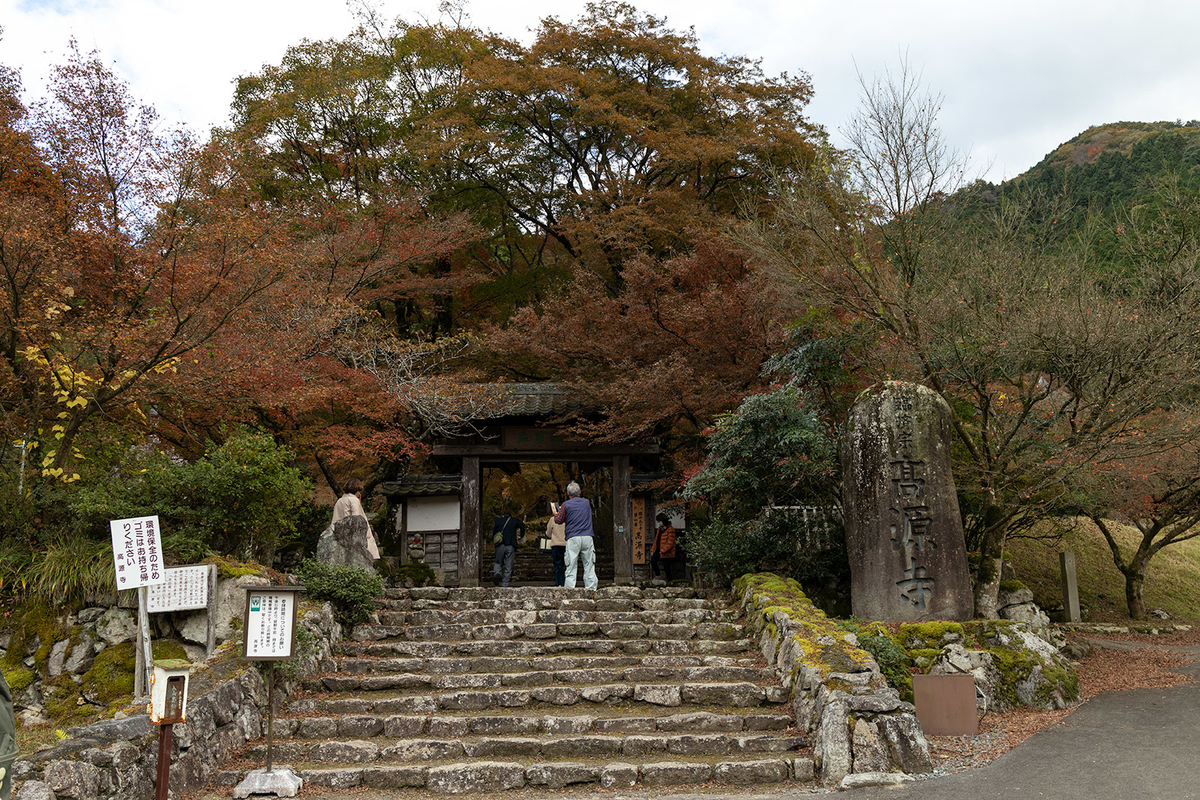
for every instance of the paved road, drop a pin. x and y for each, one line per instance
(1143, 743)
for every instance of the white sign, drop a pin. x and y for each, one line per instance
(137, 551)
(270, 619)
(184, 589)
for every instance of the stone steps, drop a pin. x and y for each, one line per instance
(483, 689)
(493, 776)
(671, 695)
(552, 664)
(366, 726)
(633, 745)
(530, 648)
(449, 675)
(489, 617)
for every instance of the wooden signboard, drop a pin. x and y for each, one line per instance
(946, 704)
(183, 589)
(638, 528)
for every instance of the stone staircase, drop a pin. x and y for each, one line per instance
(488, 689)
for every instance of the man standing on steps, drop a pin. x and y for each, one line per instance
(508, 530)
(576, 515)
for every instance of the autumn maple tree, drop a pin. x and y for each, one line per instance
(599, 163)
(150, 285)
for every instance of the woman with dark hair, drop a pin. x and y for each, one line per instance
(350, 505)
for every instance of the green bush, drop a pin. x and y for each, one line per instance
(894, 663)
(420, 573)
(243, 499)
(766, 460)
(351, 590)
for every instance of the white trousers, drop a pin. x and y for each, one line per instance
(581, 547)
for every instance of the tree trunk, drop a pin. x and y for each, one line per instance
(987, 586)
(1135, 583)
(991, 564)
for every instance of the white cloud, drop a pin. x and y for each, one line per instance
(1019, 78)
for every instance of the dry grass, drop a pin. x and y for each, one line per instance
(1172, 581)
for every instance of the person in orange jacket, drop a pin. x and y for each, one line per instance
(663, 551)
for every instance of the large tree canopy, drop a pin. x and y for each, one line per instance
(148, 284)
(600, 164)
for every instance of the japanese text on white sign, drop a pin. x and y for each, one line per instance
(137, 552)
(183, 589)
(269, 622)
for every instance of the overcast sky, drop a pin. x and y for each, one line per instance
(1019, 77)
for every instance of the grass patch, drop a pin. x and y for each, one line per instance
(1172, 580)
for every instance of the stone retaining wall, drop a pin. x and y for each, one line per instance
(860, 724)
(118, 758)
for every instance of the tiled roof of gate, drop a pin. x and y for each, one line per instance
(423, 486)
(534, 400)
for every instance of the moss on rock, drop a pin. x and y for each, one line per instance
(34, 618)
(18, 678)
(111, 676)
(817, 640)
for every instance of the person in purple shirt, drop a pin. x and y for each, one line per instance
(576, 515)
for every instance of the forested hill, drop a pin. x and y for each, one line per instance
(1140, 174)
(1112, 165)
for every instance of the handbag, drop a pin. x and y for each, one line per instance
(544, 543)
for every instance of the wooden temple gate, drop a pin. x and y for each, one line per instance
(427, 503)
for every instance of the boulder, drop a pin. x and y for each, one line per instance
(346, 544)
(116, 626)
(1017, 668)
(83, 653)
(73, 779)
(1028, 613)
(58, 654)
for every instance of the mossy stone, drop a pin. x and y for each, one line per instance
(19, 678)
(111, 675)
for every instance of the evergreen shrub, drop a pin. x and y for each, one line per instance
(350, 590)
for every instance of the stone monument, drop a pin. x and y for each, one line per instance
(346, 544)
(908, 560)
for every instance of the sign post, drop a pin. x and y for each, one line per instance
(270, 635)
(168, 706)
(137, 558)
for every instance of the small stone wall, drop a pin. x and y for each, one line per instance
(118, 758)
(860, 724)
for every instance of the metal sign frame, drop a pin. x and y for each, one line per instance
(266, 590)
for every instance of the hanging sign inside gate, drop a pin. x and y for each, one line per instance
(137, 552)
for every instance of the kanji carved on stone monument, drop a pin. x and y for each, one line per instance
(903, 529)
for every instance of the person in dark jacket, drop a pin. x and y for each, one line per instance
(510, 531)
